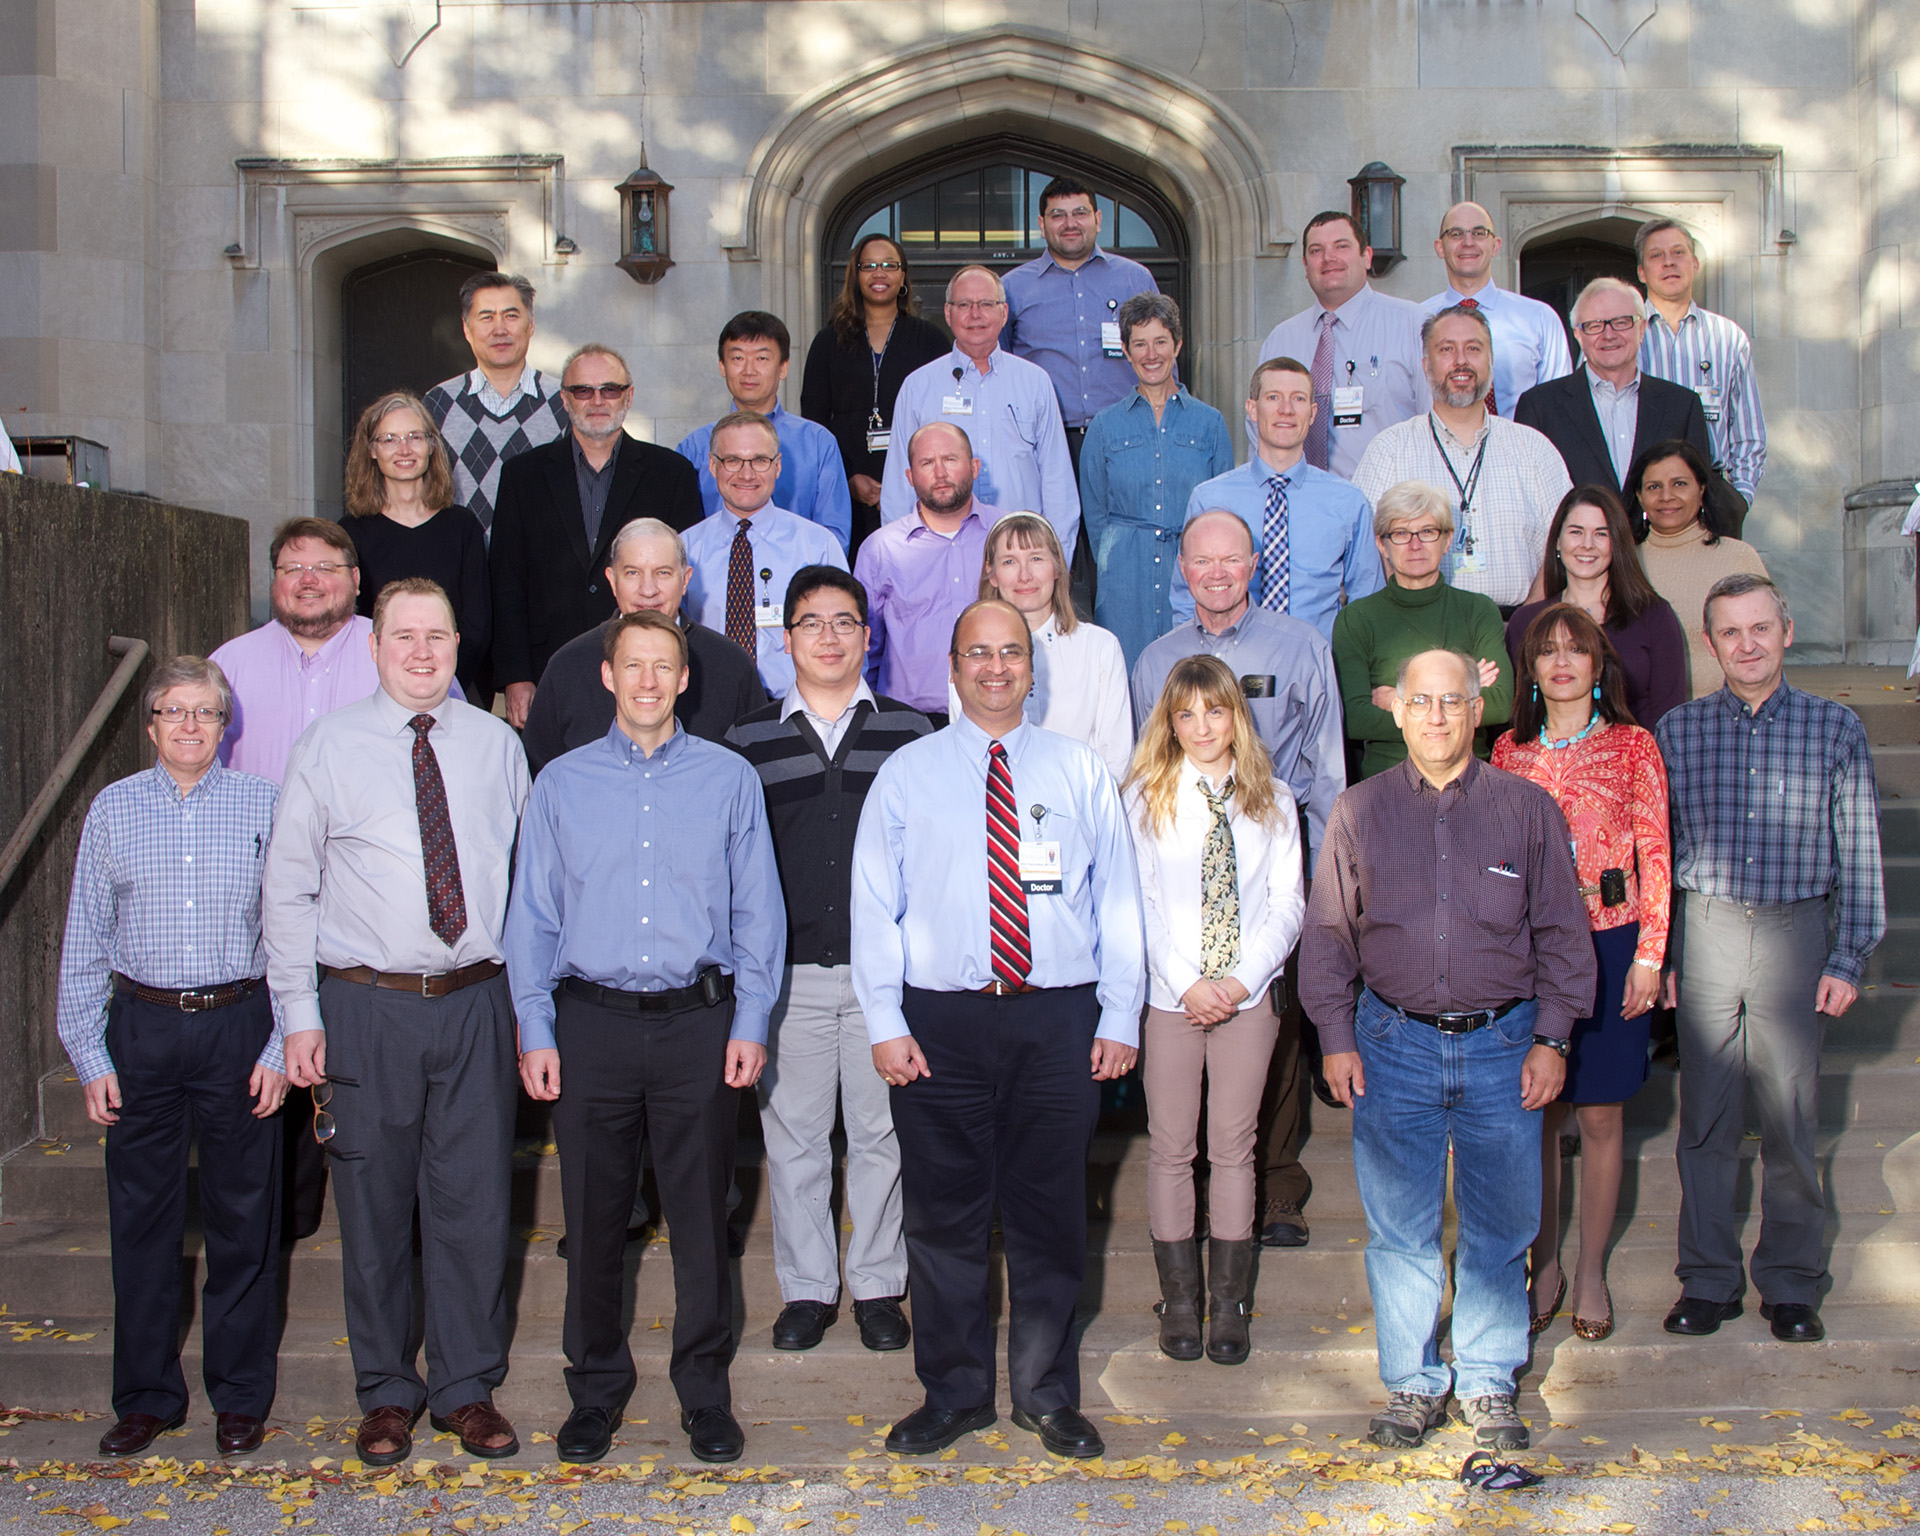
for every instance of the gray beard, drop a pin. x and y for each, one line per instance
(1459, 400)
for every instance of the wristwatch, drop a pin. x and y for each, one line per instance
(1558, 1047)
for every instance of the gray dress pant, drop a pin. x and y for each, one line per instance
(424, 1091)
(1746, 1018)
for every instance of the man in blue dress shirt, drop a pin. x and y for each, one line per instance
(743, 555)
(645, 942)
(999, 954)
(755, 350)
(1312, 531)
(1529, 340)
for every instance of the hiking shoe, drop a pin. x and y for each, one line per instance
(1495, 1422)
(1404, 1422)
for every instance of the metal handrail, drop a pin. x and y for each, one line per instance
(131, 654)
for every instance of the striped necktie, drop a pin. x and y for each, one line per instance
(1219, 889)
(1276, 560)
(1006, 902)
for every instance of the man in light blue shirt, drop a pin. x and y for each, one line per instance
(1312, 531)
(999, 954)
(1006, 406)
(743, 555)
(1529, 342)
(645, 942)
(755, 350)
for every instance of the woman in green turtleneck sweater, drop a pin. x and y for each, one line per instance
(1416, 611)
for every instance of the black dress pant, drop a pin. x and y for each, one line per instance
(183, 1077)
(1006, 1118)
(662, 1076)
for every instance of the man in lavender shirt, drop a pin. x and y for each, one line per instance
(921, 572)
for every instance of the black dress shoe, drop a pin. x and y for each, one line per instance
(634, 1235)
(928, 1429)
(713, 1434)
(136, 1431)
(802, 1324)
(1695, 1316)
(237, 1434)
(1065, 1432)
(883, 1326)
(1794, 1322)
(586, 1436)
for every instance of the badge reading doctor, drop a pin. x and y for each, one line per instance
(1039, 861)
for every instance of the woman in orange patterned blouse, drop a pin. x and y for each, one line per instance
(1574, 737)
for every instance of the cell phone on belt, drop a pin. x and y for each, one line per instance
(1613, 887)
(1258, 685)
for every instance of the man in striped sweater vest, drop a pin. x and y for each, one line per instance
(816, 753)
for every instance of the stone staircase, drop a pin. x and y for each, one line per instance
(1313, 1342)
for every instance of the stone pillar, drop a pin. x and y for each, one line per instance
(1890, 222)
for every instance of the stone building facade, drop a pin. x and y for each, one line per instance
(192, 189)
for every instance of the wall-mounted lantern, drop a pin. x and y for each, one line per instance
(1376, 209)
(644, 231)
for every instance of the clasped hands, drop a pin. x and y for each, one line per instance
(900, 1060)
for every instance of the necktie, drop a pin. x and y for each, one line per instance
(1492, 408)
(740, 589)
(1006, 902)
(446, 899)
(1275, 559)
(1320, 434)
(1219, 890)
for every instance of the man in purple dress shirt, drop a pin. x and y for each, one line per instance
(921, 572)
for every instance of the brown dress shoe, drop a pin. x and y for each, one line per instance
(386, 1436)
(238, 1433)
(136, 1431)
(482, 1428)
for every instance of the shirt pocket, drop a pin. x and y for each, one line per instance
(1498, 899)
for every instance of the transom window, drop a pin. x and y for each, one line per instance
(995, 210)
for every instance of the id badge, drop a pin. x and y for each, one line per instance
(1040, 867)
(1110, 339)
(956, 405)
(880, 441)
(1467, 559)
(1710, 403)
(1349, 404)
(766, 616)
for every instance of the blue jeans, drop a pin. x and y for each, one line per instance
(1424, 1090)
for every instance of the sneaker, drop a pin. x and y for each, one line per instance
(1282, 1226)
(1404, 1422)
(1495, 1422)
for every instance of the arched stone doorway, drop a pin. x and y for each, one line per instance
(400, 326)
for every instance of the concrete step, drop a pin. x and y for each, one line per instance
(1902, 877)
(1896, 769)
(1900, 825)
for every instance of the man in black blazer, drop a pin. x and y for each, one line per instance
(1604, 412)
(559, 507)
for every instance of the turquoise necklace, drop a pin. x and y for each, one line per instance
(1584, 732)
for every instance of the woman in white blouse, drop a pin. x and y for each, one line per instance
(1218, 840)
(1079, 671)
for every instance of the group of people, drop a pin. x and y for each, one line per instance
(920, 762)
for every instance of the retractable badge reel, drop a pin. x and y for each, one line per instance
(1039, 859)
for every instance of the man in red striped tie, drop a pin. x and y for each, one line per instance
(999, 957)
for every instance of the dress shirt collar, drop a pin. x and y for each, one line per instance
(1603, 390)
(1693, 314)
(1264, 473)
(956, 356)
(1350, 313)
(1489, 297)
(1770, 706)
(975, 741)
(479, 384)
(1462, 785)
(1046, 263)
(395, 716)
(1232, 631)
(1048, 632)
(329, 649)
(1137, 400)
(168, 787)
(626, 751)
(584, 465)
(1486, 426)
(793, 704)
(917, 527)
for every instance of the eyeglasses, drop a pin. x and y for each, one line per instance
(1422, 703)
(812, 626)
(173, 714)
(1058, 215)
(585, 392)
(324, 568)
(1617, 323)
(732, 463)
(976, 306)
(1478, 232)
(1404, 536)
(879, 266)
(323, 1126)
(980, 655)
(396, 439)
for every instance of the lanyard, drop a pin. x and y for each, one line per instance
(874, 423)
(1473, 475)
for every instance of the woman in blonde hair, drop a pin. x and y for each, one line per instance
(1218, 841)
(403, 521)
(1079, 672)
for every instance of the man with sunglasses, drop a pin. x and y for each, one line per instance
(559, 508)
(173, 1035)
(1603, 413)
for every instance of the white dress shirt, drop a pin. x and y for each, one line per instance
(346, 881)
(1272, 899)
(831, 732)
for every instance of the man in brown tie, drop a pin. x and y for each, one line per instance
(388, 876)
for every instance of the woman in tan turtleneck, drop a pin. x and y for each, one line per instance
(1683, 553)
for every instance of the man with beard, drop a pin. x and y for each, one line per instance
(1503, 480)
(921, 572)
(1529, 342)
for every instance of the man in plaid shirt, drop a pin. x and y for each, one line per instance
(1776, 844)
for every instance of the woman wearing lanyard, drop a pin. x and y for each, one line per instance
(872, 340)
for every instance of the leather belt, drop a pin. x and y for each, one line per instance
(434, 984)
(1007, 988)
(698, 995)
(1463, 1023)
(192, 999)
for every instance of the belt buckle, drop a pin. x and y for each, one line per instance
(428, 979)
(1459, 1023)
(199, 1001)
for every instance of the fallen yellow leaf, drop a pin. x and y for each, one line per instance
(1174, 1437)
(741, 1524)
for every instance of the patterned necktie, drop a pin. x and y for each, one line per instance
(446, 898)
(1276, 560)
(1320, 434)
(1492, 408)
(740, 589)
(1006, 902)
(1219, 890)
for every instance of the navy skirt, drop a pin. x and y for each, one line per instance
(1608, 1062)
